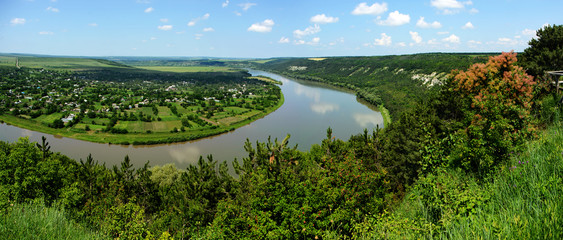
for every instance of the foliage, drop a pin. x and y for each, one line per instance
(496, 100)
(438, 171)
(545, 52)
(389, 80)
(525, 196)
(39, 221)
(119, 105)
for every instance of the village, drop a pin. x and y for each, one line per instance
(61, 99)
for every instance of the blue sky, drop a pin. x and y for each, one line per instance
(268, 28)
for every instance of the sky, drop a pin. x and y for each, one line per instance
(270, 28)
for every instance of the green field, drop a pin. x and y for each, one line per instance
(181, 69)
(59, 63)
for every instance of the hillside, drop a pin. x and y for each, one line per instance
(397, 82)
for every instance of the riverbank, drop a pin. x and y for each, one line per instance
(378, 107)
(136, 138)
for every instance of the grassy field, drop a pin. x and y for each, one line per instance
(37, 221)
(7, 61)
(58, 62)
(189, 69)
(522, 200)
(160, 129)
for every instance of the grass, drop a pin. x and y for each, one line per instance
(526, 200)
(7, 61)
(37, 221)
(189, 69)
(521, 201)
(160, 129)
(385, 114)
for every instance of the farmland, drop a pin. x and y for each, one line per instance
(108, 102)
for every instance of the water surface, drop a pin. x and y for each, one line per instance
(309, 109)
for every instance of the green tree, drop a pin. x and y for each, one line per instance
(545, 52)
(496, 100)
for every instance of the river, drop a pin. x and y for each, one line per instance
(308, 111)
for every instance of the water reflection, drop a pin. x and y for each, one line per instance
(311, 93)
(323, 108)
(27, 133)
(185, 155)
(367, 119)
(307, 112)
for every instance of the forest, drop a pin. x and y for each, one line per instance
(395, 83)
(479, 157)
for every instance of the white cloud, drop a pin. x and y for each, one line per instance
(374, 9)
(473, 11)
(246, 6)
(308, 31)
(198, 36)
(339, 40)
(52, 9)
(153, 38)
(529, 32)
(165, 27)
(506, 41)
(149, 9)
(164, 20)
(423, 24)
(443, 33)
(322, 18)
(474, 42)
(225, 4)
(315, 41)
(395, 19)
(383, 41)
(451, 39)
(402, 44)
(195, 20)
(443, 4)
(450, 6)
(468, 25)
(46, 33)
(415, 37)
(209, 29)
(16, 21)
(284, 40)
(432, 42)
(262, 27)
(93, 24)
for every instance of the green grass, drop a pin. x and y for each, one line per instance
(521, 201)
(160, 130)
(63, 63)
(37, 221)
(7, 61)
(526, 201)
(385, 114)
(189, 69)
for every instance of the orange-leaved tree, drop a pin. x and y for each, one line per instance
(495, 98)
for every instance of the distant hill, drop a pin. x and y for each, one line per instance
(396, 81)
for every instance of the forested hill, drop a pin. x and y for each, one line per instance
(397, 81)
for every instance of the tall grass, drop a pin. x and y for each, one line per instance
(526, 198)
(37, 221)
